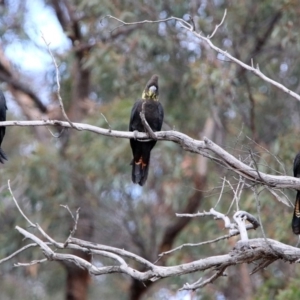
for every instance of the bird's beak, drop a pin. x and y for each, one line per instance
(152, 90)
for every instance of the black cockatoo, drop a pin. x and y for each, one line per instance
(3, 109)
(154, 114)
(296, 214)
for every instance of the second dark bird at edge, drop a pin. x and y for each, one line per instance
(3, 109)
(296, 213)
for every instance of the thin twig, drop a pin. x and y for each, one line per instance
(212, 212)
(199, 284)
(17, 252)
(58, 135)
(255, 165)
(262, 266)
(224, 237)
(234, 197)
(270, 153)
(34, 262)
(181, 21)
(68, 209)
(239, 191)
(259, 219)
(75, 219)
(227, 224)
(192, 23)
(286, 201)
(217, 26)
(221, 193)
(109, 127)
(17, 205)
(61, 104)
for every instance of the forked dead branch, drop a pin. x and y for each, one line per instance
(260, 251)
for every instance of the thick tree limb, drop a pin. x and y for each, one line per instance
(187, 143)
(258, 250)
(262, 250)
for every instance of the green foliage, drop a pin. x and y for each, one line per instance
(291, 292)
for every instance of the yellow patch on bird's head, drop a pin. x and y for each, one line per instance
(151, 93)
(151, 90)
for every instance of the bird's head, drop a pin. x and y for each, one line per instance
(151, 89)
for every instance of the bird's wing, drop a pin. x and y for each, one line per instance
(161, 115)
(296, 168)
(133, 112)
(3, 107)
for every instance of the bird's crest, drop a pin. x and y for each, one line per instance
(151, 90)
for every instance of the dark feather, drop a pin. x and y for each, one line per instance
(3, 109)
(154, 115)
(296, 213)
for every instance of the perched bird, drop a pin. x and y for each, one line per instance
(3, 109)
(154, 114)
(296, 215)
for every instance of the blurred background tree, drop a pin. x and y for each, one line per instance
(103, 70)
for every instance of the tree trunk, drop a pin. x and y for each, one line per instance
(77, 280)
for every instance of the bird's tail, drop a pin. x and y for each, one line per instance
(296, 215)
(2, 156)
(140, 170)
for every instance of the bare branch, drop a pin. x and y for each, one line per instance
(189, 144)
(221, 192)
(217, 26)
(284, 199)
(38, 241)
(61, 104)
(237, 193)
(211, 212)
(75, 219)
(20, 210)
(263, 265)
(17, 252)
(240, 219)
(109, 127)
(256, 195)
(122, 252)
(183, 23)
(34, 262)
(270, 153)
(233, 231)
(112, 256)
(224, 237)
(207, 40)
(227, 223)
(199, 284)
(258, 250)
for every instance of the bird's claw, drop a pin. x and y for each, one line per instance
(135, 133)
